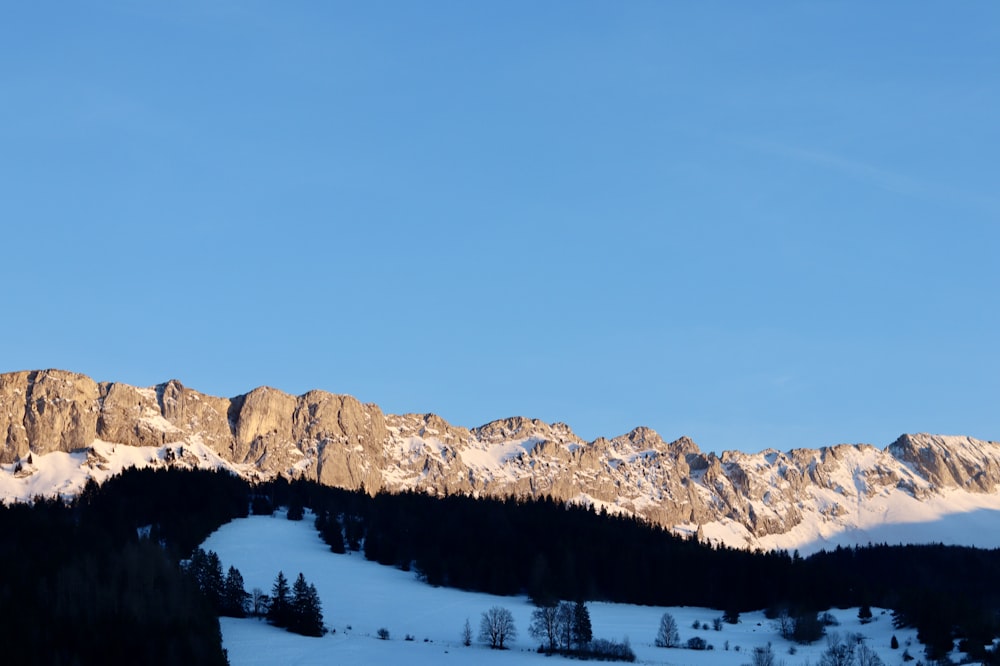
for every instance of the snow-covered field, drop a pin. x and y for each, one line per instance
(360, 597)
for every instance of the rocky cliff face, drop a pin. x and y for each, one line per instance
(338, 441)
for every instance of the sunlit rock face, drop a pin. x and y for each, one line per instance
(338, 441)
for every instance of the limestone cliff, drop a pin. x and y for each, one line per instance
(338, 441)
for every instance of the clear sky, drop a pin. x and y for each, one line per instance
(755, 224)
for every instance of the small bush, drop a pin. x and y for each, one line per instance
(605, 650)
(717, 624)
(697, 643)
(383, 634)
(408, 637)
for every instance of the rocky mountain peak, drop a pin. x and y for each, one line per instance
(754, 499)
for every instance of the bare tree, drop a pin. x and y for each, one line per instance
(496, 627)
(868, 657)
(259, 602)
(764, 656)
(467, 634)
(786, 625)
(838, 651)
(668, 636)
(564, 625)
(545, 626)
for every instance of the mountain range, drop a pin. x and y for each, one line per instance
(61, 428)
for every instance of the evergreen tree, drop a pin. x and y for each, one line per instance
(306, 614)
(213, 580)
(234, 595)
(206, 569)
(296, 510)
(865, 614)
(582, 631)
(279, 611)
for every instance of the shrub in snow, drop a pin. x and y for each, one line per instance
(697, 643)
(762, 656)
(838, 652)
(383, 634)
(807, 628)
(601, 648)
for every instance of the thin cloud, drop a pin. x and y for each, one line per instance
(884, 179)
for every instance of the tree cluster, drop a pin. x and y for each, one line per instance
(297, 609)
(226, 594)
(562, 626)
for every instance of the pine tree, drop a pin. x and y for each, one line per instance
(279, 612)
(213, 580)
(865, 614)
(206, 569)
(582, 630)
(234, 595)
(306, 614)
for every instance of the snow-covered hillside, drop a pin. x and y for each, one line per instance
(829, 518)
(360, 597)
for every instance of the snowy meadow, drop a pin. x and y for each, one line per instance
(425, 623)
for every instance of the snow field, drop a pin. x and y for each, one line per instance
(359, 597)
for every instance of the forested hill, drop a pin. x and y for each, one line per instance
(540, 547)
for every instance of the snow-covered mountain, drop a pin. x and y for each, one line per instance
(62, 428)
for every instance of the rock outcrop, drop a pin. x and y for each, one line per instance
(338, 441)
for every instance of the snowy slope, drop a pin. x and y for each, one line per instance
(359, 597)
(840, 504)
(65, 474)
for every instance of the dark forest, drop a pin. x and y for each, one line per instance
(98, 580)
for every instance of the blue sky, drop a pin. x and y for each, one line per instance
(753, 224)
